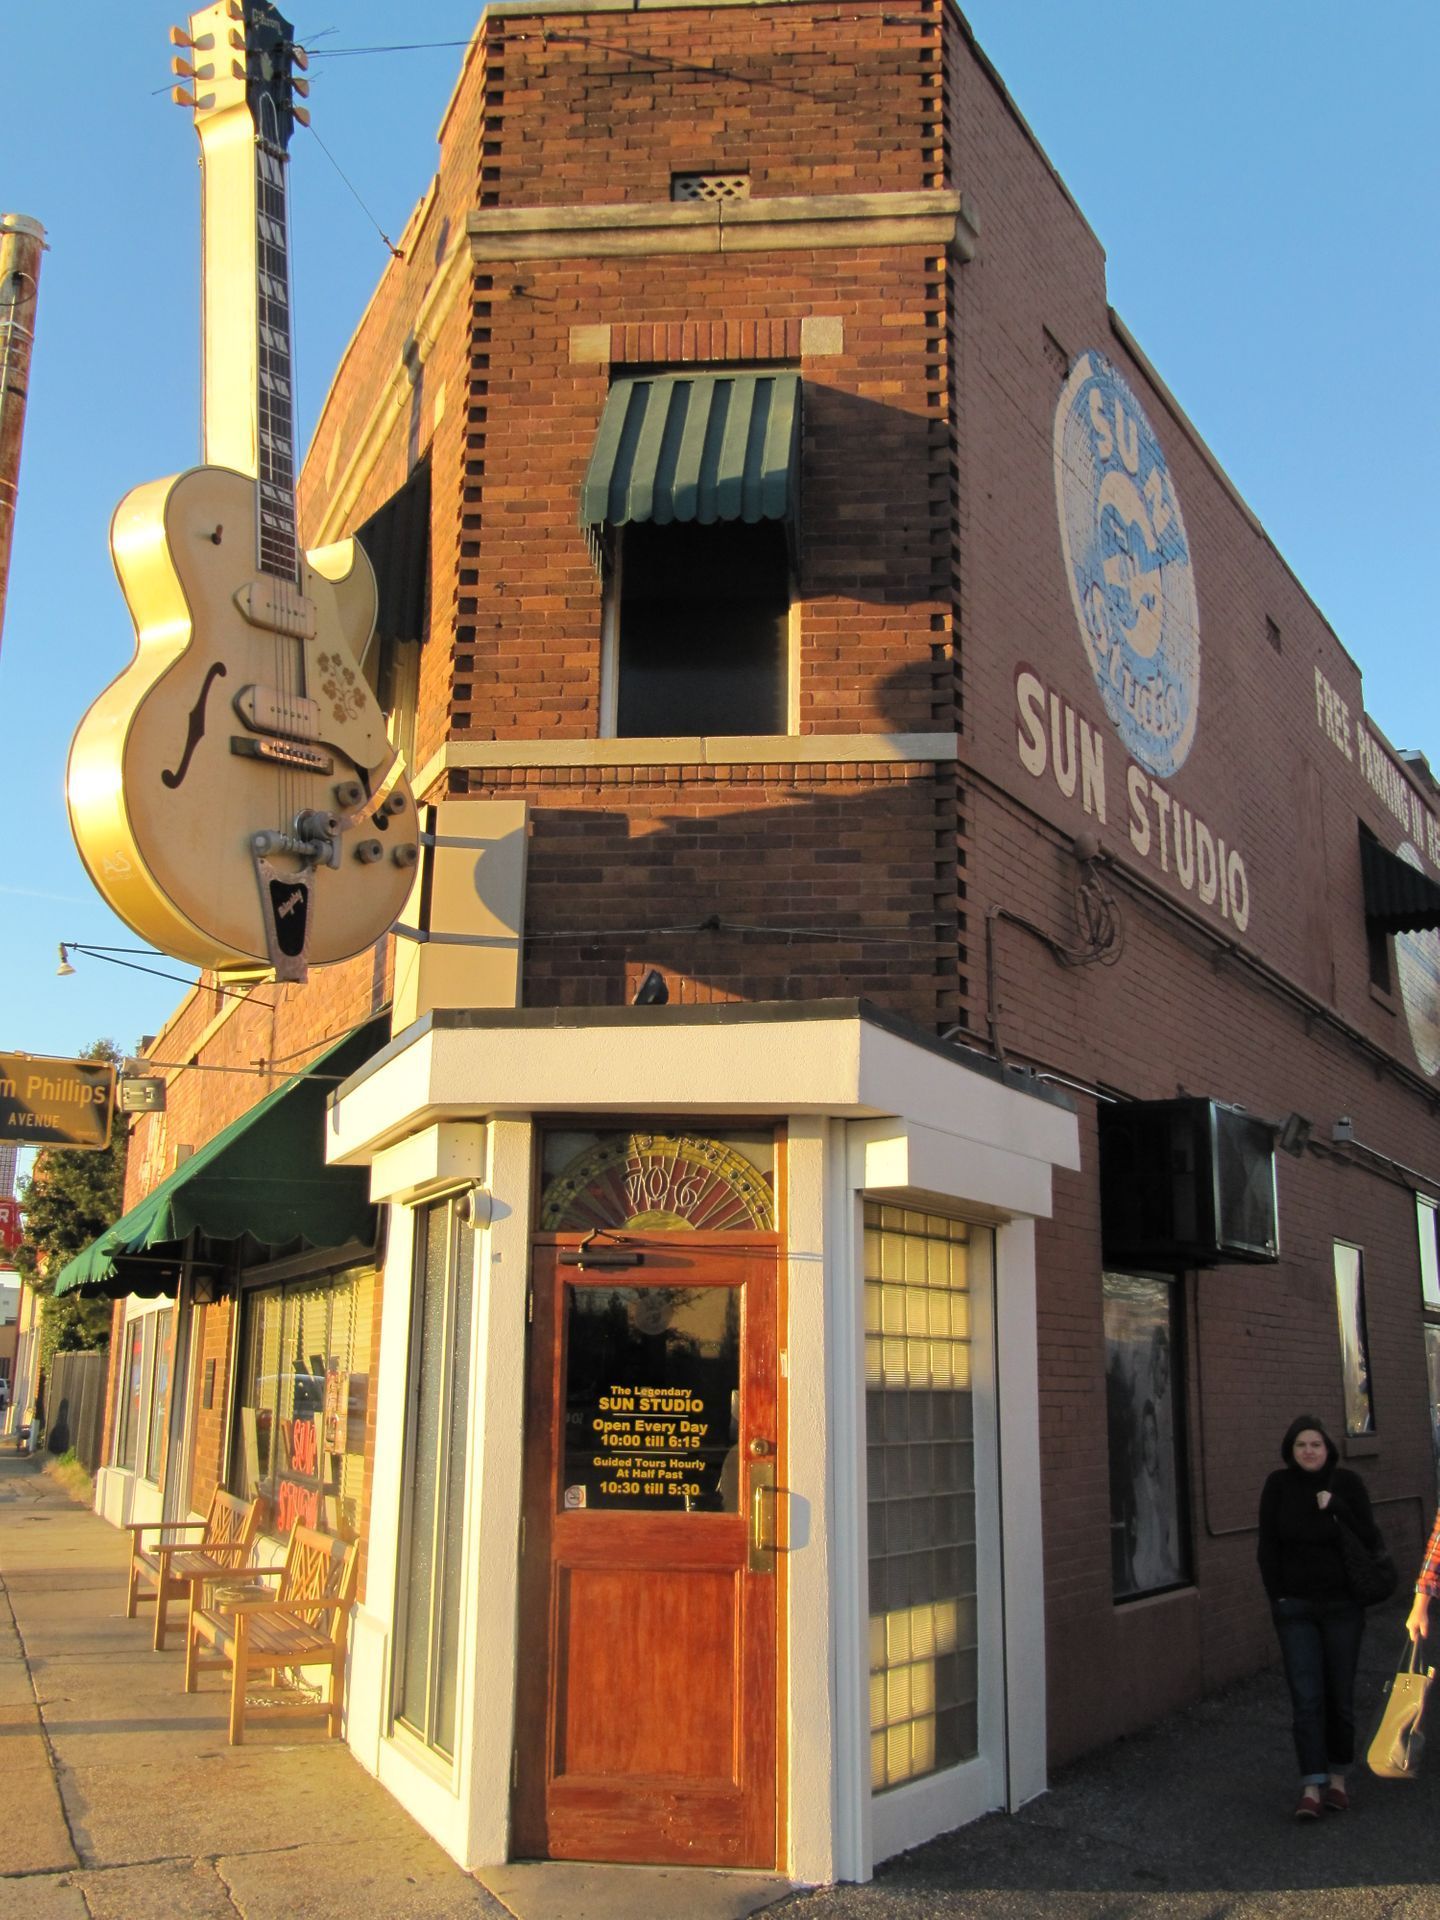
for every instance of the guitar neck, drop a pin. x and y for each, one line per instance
(248, 409)
(274, 386)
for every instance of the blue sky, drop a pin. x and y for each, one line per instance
(1263, 178)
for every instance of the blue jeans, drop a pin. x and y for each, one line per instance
(1320, 1644)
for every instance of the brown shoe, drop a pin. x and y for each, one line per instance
(1336, 1799)
(1309, 1806)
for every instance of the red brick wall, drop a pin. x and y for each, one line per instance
(1196, 1005)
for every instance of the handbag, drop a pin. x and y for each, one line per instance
(1369, 1571)
(1395, 1751)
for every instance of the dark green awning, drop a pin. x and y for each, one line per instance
(265, 1175)
(695, 446)
(1399, 898)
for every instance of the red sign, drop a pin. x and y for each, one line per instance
(11, 1233)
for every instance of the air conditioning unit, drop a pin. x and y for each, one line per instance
(1186, 1183)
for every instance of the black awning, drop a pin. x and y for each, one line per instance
(1399, 898)
(397, 544)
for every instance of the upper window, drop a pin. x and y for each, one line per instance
(689, 501)
(701, 631)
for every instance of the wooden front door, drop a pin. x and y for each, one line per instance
(646, 1700)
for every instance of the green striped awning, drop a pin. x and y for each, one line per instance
(264, 1175)
(695, 446)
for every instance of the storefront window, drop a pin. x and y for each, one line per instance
(158, 1336)
(1149, 1548)
(132, 1378)
(431, 1548)
(920, 1446)
(302, 1399)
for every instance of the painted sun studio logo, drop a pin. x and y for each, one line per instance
(1127, 561)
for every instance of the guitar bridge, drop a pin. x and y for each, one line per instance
(284, 753)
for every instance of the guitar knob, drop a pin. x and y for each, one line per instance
(349, 794)
(367, 852)
(395, 804)
(405, 856)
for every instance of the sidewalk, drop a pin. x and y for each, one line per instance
(120, 1799)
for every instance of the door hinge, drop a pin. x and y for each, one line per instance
(530, 1306)
(515, 1768)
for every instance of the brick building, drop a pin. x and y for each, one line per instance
(869, 754)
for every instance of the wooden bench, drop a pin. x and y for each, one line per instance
(303, 1624)
(161, 1570)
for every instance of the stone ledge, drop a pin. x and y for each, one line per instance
(934, 217)
(841, 749)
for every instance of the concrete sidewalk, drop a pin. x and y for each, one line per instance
(120, 1799)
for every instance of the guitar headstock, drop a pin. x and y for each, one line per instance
(242, 52)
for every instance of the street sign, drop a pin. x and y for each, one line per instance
(55, 1103)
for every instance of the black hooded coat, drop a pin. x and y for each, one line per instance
(1299, 1547)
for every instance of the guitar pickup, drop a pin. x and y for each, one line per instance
(278, 607)
(284, 753)
(288, 716)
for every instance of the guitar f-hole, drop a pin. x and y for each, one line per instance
(195, 732)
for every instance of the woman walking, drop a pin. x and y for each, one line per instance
(1302, 1507)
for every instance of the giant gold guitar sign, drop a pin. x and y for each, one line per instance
(233, 793)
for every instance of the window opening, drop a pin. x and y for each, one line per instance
(920, 1449)
(702, 633)
(431, 1562)
(302, 1400)
(132, 1378)
(158, 1335)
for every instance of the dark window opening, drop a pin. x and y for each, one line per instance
(396, 540)
(1377, 936)
(703, 627)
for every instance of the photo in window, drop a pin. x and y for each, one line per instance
(1354, 1340)
(1148, 1536)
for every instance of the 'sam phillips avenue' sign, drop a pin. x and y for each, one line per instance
(55, 1103)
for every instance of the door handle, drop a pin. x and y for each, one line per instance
(763, 1516)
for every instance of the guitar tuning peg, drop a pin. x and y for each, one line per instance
(181, 97)
(302, 115)
(237, 70)
(183, 68)
(180, 38)
(302, 87)
(237, 39)
(299, 58)
(235, 10)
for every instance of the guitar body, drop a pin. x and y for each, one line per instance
(243, 710)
